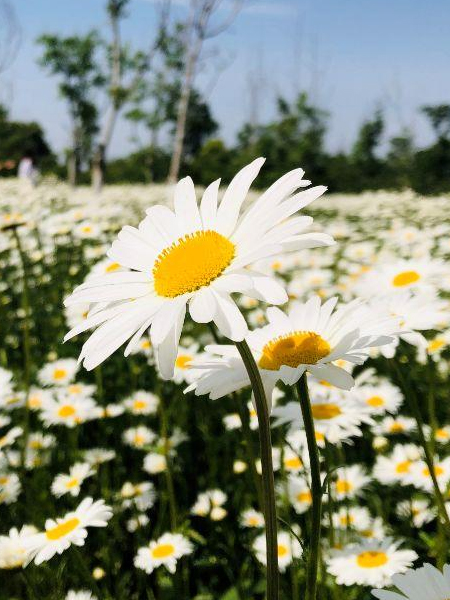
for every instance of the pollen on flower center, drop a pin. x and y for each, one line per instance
(405, 278)
(403, 467)
(371, 559)
(304, 497)
(56, 533)
(282, 550)
(163, 551)
(375, 401)
(294, 349)
(66, 411)
(325, 411)
(191, 263)
(59, 373)
(182, 361)
(343, 486)
(72, 483)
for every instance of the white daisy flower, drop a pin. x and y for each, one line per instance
(166, 550)
(356, 517)
(394, 425)
(416, 510)
(68, 412)
(135, 523)
(418, 275)
(10, 487)
(232, 421)
(154, 463)
(336, 418)
(349, 481)
(71, 483)
(251, 518)
(417, 584)
(299, 494)
(37, 397)
(98, 456)
(13, 553)
(310, 338)
(142, 403)
(5, 382)
(370, 563)
(197, 257)
(418, 312)
(288, 549)
(139, 437)
(59, 534)
(378, 399)
(396, 467)
(420, 475)
(59, 372)
(142, 495)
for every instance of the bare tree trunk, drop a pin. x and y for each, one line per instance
(72, 169)
(99, 159)
(182, 115)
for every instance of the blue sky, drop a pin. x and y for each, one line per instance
(351, 55)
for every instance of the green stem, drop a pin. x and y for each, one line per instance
(168, 469)
(25, 303)
(329, 466)
(316, 490)
(414, 404)
(243, 413)
(270, 511)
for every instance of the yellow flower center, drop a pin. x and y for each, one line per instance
(183, 361)
(59, 373)
(63, 529)
(405, 278)
(293, 463)
(437, 471)
(253, 521)
(375, 401)
(396, 427)
(403, 467)
(145, 344)
(139, 404)
(74, 388)
(112, 267)
(441, 434)
(294, 349)
(66, 411)
(371, 559)
(436, 345)
(139, 439)
(34, 402)
(325, 411)
(191, 263)
(343, 486)
(163, 551)
(282, 550)
(347, 519)
(4, 480)
(72, 483)
(304, 497)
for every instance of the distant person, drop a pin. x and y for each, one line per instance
(27, 170)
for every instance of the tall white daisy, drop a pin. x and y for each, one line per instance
(196, 256)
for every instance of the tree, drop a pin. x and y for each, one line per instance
(197, 30)
(431, 167)
(439, 117)
(19, 140)
(73, 60)
(295, 138)
(120, 89)
(363, 156)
